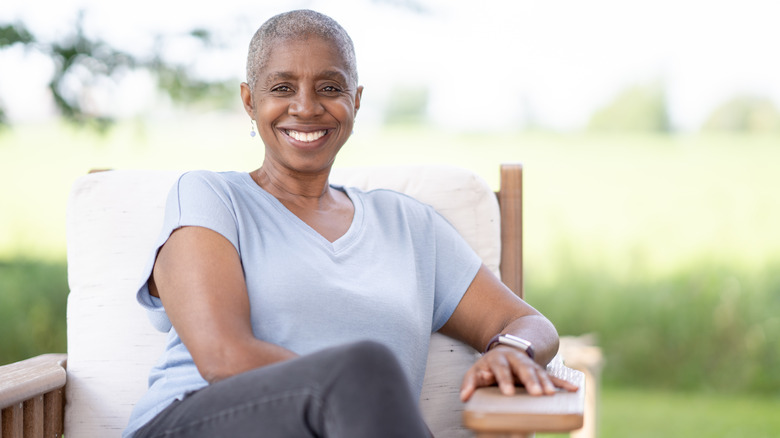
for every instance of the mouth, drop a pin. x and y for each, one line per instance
(305, 137)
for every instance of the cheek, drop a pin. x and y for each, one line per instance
(344, 111)
(268, 110)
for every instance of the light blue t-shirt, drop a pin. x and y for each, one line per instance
(394, 277)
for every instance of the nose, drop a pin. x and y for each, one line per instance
(305, 104)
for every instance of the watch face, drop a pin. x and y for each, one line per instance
(517, 342)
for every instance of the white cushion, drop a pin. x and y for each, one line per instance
(112, 222)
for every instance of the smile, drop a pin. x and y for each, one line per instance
(305, 137)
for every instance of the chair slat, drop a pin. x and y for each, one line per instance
(33, 417)
(53, 410)
(13, 421)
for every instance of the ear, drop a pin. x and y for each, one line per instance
(246, 98)
(358, 96)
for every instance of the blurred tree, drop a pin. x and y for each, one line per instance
(82, 65)
(10, 35)
(640, 108)
(744, 114)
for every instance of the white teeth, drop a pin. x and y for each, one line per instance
(306, 136)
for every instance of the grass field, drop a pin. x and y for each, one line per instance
(651, 413)
(666, 247)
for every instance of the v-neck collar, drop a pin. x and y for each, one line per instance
(338, 245)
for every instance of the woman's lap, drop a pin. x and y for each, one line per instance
(351, 390)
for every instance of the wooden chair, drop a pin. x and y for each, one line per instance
(113, 219)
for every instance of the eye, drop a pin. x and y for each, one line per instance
(330, 89)
(281, 89)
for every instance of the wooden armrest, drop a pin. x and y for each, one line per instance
(490, 412)
(23, 380)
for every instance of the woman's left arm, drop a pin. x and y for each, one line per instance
(488, 308)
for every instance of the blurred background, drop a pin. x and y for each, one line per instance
(649, 132)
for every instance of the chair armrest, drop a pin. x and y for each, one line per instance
(23, 380)
(488, 411)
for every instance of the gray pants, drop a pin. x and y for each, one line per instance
(356, 390)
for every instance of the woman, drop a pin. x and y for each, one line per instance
(298, 308)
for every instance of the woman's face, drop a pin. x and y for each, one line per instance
(304, 104)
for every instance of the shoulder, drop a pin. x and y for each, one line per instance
(208, 178)
(388, 198)
(390, 205)
(206, 181)
(203, 191)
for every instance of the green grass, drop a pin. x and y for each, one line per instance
(639, 413)
(647, 413)
(32, 308)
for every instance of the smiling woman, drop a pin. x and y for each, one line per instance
(301, 308)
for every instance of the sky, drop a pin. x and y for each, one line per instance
(488, 65)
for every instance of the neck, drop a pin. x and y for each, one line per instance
(295, 187)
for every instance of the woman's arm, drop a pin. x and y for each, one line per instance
(200, 280)
(487, 308)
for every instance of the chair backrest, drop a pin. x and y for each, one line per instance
(113, 219)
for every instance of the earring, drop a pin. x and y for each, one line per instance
(252, 133)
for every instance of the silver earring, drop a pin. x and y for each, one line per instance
(252, 133)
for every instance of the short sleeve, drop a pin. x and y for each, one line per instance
(197, 198)
(456, 266)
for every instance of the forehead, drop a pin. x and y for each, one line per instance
(304, 55)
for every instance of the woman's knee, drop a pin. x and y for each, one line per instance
(366, 361)
(371, 355)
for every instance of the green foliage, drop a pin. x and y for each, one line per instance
(82, 64)
(186, 89)
(32, 308)
(707, 326)
(11, 34)
(79, 59)
(641, 108)
(744, 114)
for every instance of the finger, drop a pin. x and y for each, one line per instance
(564, 384)
(531, 382)
(477, 376)
(548, 388)
(502, 373)
(526, 371)
(468, 386)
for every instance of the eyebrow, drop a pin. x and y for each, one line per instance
(287, 76)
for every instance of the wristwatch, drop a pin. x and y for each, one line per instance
(512, 341)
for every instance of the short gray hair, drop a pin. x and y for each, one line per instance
(298, 25)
